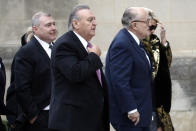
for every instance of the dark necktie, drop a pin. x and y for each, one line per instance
(50, 46)
(142, 48)
(98, 72)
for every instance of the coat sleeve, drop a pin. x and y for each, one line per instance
(24, 70)
(121, 68)
(168, 54)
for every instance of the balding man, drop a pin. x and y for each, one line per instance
(79, 92)
(129, 74)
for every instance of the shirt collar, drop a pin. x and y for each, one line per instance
(134, 37)
(43, 43)
(82, 40)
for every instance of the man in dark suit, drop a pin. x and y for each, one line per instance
(128, 73)
(78, 97)
(32, 73)
(2, 91)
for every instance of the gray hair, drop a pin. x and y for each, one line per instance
(73, 15)
(36, 16)
(129, 16)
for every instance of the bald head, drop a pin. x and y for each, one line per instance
(136, 19)
(131, 14)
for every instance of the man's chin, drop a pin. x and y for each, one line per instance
(92, 34)
(54, 38)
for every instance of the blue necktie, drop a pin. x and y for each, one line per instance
(51, 45)
(142, 48)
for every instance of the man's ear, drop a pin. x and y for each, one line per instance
(134, 25)
(75, 24)
(34, 28)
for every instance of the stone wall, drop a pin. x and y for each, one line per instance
(184, 93)
(178, 16)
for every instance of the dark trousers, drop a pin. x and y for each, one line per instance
(40, 124)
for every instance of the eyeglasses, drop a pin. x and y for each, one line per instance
(152, 27)
(146, 22)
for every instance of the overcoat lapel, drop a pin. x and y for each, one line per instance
(78, 45)
(137, 48)
(41, 50)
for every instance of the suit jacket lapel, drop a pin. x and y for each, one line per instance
(137, 48)
(41, 49)
(78, 44)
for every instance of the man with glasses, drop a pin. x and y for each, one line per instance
(129, 74)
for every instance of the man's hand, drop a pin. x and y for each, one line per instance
(33, 120)
(134, 117)
(159, 129)
(94, 49)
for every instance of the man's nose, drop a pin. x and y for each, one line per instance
(94, 22)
